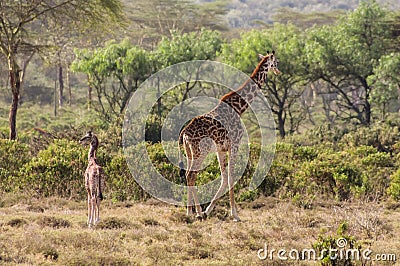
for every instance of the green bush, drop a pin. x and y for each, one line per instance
(382, 136)
(394, 187)
(56, 171)
(281, 169)
(13, 155)
(120, 184)
(305, 153)
(343, 172)
(339, 249)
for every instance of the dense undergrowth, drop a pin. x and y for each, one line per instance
(322, 163)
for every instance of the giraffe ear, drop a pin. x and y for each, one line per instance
(260, 56)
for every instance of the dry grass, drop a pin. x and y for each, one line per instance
(53, 232)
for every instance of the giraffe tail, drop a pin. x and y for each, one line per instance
(182, 171)
(99, 184)
(100, 195)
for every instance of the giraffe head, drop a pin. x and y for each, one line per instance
(268, 62)
(94, 144)
(87, 138)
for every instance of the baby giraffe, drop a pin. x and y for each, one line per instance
(94, 179)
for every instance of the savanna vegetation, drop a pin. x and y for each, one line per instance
(70, 66)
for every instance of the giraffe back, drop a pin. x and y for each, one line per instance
(94, 179)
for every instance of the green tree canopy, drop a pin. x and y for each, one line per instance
(115, 71)
(282, 91)
(181, 47)
(385, 81)
(344, 55)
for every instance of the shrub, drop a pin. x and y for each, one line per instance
(394, 187)
(53, 222)
(17, 222)
(113, 223)
(305, 153)
(121, 185)
(330, 174)
(281, 169)
(13, 155)
(248, 195)
(382, 136)
(339, 249)
(56, 171)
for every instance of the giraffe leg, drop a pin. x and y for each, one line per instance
(92, 210)
(195, 159)
(188, 176)
(189, 179)
(97, 211)
(192, 194)
(231, 183)
(196, 200)
(224, 182)
(89, 210)
(196, 166)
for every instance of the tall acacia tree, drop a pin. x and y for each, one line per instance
(22, 27)
(282, 91)
(344, 55)
(115, 71)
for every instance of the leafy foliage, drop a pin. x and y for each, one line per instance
(351, 168)
(344, 55)
(282, 91)
(394, 188)
(57, 170)
(386, 82)
(181, 47)
(338, 249)
(115, 71)
(13, 155)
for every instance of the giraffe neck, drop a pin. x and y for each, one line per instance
(240, 99)
(93, 147)
(259, 76)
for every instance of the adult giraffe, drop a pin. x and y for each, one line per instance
(221, 130)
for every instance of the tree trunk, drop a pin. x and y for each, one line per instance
(398, 96)
(367, 112)
(16, 78)
(55, 95)
(68, 86)
(281, 124)
(90, 97)
(15, 83)
(61, 86)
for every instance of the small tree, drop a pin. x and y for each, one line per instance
(115, 72)
(21, 33)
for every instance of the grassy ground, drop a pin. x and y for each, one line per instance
(53, 232)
